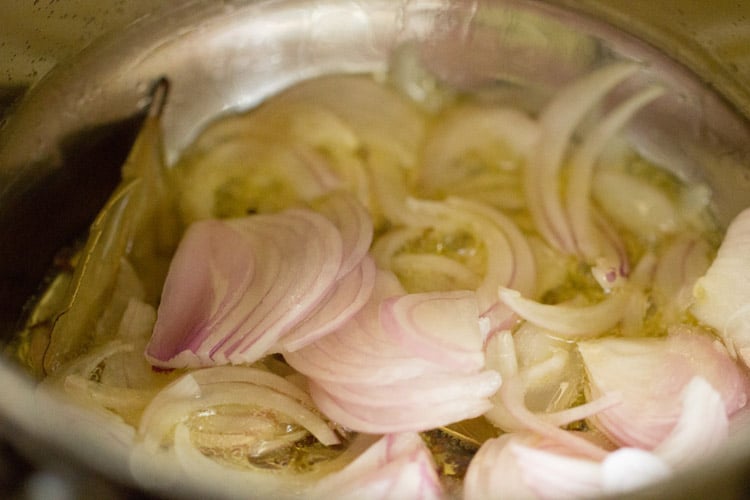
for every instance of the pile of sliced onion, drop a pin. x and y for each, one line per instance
(237, 287)
(406, 362)
(530, 465)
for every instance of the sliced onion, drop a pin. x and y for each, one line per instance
(702, 427)
(680, 265)
(397, 466)
(578, 193)
(509, 262)
(658, 370)
(558, 122)
(722, 295)
(570, 321)
(407, 416)
(443, 327)
(523, 465)
(425, 272)
(246, 283)
(221, 386)
(390, 369)
(636, 204)
(469, 129)
(353, 222)
(348, 296)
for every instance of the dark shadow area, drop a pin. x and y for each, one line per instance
(55, 204)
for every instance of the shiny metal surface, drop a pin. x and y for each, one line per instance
(61, 146)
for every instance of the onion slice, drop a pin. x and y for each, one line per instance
(570, 321)
(558, 122)
(398, 466)
(236, 288)
(658, 371)
(404, 363)
(722, 295)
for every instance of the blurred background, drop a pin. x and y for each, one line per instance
(712, 38)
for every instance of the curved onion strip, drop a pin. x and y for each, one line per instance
(186, 395)
(379, 116)
(396, 466)
(238, 312)
(578, 194)
(450, 271)
(118, 399)
(512, 394)
(348, 297)
(353, 222)
(419, 391)
(398, 417)
(567, 476)
(442, 327)
(244, 374)
(192, 295)
(523, 278)
(388, 245)
(570, 321)
(558, 122)
(499, 268)
(494, 473)
(360, 352)
(684, 261)
(636, 204)
(193, 473)
(467, 129)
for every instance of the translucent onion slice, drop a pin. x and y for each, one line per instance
(578, 195)
(558, 122)
(524, 465)
(722, 295)
(679, 266)
(509, 261)
(443, 327)
(221, 386)
(467, 130)
(658, 370)
(570, 321)
(636, 204)
(398, 466)
(403, 416)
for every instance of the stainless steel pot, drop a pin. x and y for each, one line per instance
(62, 146)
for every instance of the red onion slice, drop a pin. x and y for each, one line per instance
(246, 283)
(390, 369)
(192, 294)
(348, 297)
(398, 466)
(558, 122)
(658, 370)
(441, 327)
